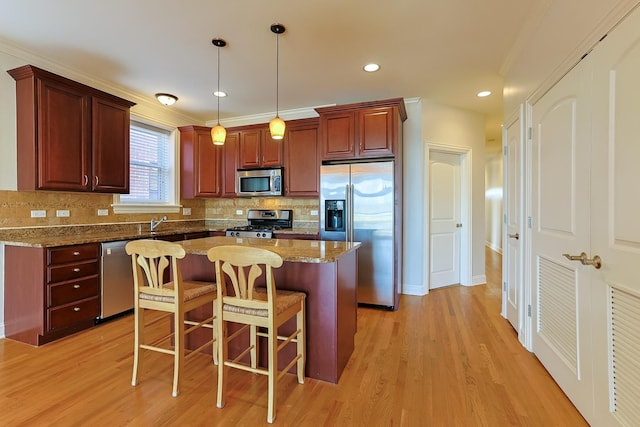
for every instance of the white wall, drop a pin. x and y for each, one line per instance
(493, 199)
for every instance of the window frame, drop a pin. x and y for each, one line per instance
(173, 203)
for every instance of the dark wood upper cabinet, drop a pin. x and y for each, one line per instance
(363, 130)
(70, 136)
(200, 163)
(302, 159)
(257, 149)
(230, 164)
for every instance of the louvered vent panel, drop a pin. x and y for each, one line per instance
(557, 310)
(625, 348)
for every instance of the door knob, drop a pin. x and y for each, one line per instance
(514, 236)
(458, 225)
(596, 261)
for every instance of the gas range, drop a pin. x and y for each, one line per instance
(262, 223)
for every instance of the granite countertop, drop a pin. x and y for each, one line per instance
(64, 236)
(305, 251)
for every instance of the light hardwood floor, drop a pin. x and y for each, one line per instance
(446, 359)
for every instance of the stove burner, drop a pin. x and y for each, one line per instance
(262, 223)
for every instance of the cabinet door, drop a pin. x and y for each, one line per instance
(249, 148)
(337, 133)
(207, 166)
(199, 163)
(270, 150)
(302, 163)
(230, 164)
(375, 132)
(110, 149)
(63, 137)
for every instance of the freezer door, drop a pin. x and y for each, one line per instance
(334, 180)
(373, 226)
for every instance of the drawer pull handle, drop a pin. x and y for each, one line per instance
(76, 308)
(76, 270)
(76, 286)
(76, 253)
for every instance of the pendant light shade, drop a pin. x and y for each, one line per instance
(218, 132)
(277, 125)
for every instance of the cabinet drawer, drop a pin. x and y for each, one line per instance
(67, 315)
(72, 253)
(71, 271)
(75, 290)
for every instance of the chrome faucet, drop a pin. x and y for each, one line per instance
(155, 223)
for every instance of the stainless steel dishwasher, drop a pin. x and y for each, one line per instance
(116, 287)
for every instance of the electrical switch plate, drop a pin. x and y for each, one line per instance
(62, 212)
(186, 211)
(239, 212)
(38, 214)
(103, 212)
(314, 212)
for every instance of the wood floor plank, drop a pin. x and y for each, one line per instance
(445, 359)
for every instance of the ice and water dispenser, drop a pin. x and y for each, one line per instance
(334, 215)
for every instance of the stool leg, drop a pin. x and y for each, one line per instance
(301, 343)
(273, 372)
(178, 350)
(222, 358)
(138, 324)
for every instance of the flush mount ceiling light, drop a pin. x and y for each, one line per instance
(166, 98)
(277, 126)
(370, 68)
(220, 94)
(218, 132)
(484, 93)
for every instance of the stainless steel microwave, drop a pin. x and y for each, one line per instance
(259, 182)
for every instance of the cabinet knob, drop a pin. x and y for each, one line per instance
(76, 308)
(76, 253)
(76, 270)
(76, 286)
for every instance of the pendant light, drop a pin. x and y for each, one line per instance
(277, 126)
(218, 132)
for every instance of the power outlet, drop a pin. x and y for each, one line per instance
(239, 212)
(103, 212)
(186, 211)
(62, 213)
(38, 213)
(313, 212)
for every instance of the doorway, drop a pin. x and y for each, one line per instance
(448, 256)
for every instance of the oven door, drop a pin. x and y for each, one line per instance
(259, 182)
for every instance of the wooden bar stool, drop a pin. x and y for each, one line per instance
(259, 309)
(150, 260)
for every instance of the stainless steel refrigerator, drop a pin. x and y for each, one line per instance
(357, 203)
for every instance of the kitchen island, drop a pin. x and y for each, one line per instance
(325, 270)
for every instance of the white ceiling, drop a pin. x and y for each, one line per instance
(440, 50)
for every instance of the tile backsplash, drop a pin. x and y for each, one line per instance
(16, 207)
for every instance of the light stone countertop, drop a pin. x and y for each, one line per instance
(305, 251)
(64, 236)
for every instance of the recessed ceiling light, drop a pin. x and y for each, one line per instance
(166, 98)
(220, 94)
(370, 68)
(484, 93)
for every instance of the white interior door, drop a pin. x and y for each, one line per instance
(512, 253)
(615, 231)
(444, 226)
(561, 300)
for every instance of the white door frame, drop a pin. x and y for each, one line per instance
(465, 212)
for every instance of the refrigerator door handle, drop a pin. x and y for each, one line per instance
(351, 214)
(348, 213)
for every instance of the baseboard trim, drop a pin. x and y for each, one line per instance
(414, 290)
(478, 280)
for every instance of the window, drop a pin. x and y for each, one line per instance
(152, 171)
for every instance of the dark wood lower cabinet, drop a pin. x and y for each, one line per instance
(50, 292)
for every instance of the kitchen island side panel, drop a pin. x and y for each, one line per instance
(331, 309)
(24, 305)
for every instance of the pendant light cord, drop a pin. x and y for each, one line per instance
(277, 71)
(218, 94)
